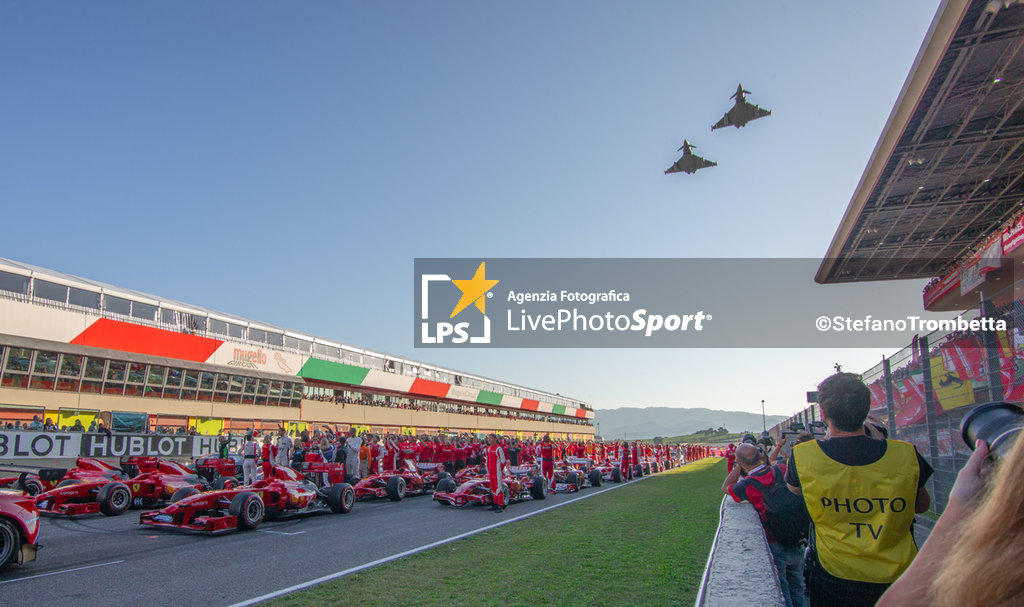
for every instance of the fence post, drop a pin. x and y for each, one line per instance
(929, 416)
(889, 403)
(990, 340)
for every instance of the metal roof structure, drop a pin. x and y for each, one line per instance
(948, 168)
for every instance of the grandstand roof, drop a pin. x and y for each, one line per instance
(948, 168)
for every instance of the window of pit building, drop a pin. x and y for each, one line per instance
(301, 345)
(218, 327)
(43, 371)
(325, 350)
(14, 283)
(70, 372)
(83, 298)
(236, 331)
(257, 335)
(16, 368)
(143, 311)
(172, 386)
(154, 381)
(188, 390)
(206, 385)
(261, 392)
(117, 305)
(275, 339)
(49, 291)
(115, 377)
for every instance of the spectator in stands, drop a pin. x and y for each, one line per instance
(78, 427)
(101, 428)
(789, 559)
(861, 493)
(36, 425)
(973, 554)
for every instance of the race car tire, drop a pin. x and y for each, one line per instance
(638, 471)
(595, 478)
(10, 543)
(351, 479)
(445, 485)
(538, 488)
(574, 479)
(396, 488)
(247, 508)
(68, 481)
(340, 498)
(30, 484)
(114, 498)
(617, 474)
(225, 482)
(182, 493)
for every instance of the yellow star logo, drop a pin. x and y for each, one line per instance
(473, 291)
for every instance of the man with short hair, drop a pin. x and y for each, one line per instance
(789, 560)
(250, 451)
(352, 447)
(284, 448)
(862, 493)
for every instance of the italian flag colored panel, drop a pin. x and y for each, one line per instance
(325, 370)
(513, 402)
(530, 405)
(581, 413)
(489, 398)
(387, 381)
(544, 407)
(430, 388)
(558, 409)
(128, 337)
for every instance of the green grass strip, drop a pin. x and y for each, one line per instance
(642, 544)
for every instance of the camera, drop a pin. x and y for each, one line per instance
(996, 423)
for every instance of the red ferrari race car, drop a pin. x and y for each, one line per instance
(86, 469)
(156, 480)
(478, 490)
(412, 479)
(285, 494)
(576, 473)
(610, 471)
(19, 528)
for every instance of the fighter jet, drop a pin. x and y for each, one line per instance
(742, 112)
(689, 163)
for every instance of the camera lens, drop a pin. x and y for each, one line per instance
(996, 423)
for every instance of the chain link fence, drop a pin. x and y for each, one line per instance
(922, 392)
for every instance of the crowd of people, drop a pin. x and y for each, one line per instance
(367, 454)
(838, 514)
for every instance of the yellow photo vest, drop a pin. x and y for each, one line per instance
(861, 514)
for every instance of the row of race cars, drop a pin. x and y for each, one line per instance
(208, 496)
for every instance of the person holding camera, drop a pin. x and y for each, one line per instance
(973, 554)
(784, 521)
(862, 493)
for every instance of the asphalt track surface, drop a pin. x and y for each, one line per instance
(101, 560)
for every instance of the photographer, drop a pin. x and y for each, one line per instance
(973, 554)
(862, 493)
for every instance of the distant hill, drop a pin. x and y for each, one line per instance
(648, 422)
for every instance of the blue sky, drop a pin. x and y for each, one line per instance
(288, 161)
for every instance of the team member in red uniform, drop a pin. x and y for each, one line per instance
(391, 454)
(269, 454)
(730, 457)
(448, 456)
(375, 455)
(496, 463)
(624, 464)
(547, 460)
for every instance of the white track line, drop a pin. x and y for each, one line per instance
(30, 577)
(281, 532)
(387, 559)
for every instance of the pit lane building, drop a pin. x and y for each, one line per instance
(73, 349)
